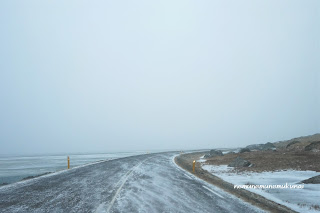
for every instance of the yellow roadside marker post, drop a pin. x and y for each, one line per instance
(194, 166)
(68, 162)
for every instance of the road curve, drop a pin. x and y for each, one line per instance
(144, 183)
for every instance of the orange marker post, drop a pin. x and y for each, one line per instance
(194, 166)
(68, 162)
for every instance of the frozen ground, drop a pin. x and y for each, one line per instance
(143, 183)
(306, 199)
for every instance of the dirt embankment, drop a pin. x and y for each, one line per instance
(185, 162)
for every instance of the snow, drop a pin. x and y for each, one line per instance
(217, 191)
(301, 200)
(202, 159)
(237, 150)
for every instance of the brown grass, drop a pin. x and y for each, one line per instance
(273, 160)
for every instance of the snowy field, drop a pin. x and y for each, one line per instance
(306, 199)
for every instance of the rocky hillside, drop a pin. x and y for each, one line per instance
(301, 153)
(297, 143)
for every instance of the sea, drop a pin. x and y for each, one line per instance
(15, 168)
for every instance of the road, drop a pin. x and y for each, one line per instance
(144, 183)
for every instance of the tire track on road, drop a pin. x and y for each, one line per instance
(123, 180)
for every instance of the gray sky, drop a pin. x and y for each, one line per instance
(79, 76)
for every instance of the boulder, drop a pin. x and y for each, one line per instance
(244, 150)
(254, 147)
(239, 162)
(265, 146)
(268, 146)
(314, 146)
(213, 153)
(313, 180)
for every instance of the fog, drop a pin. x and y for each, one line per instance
(105, 76)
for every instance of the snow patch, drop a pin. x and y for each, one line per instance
(308, 197)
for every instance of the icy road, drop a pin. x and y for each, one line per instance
(144, 183)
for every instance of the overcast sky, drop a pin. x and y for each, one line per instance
(100, 76)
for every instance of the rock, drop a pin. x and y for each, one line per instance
(244, 150)
(314, 146)
(213, 153)
(254, 147)
(239, 162)
(266, 146)
(313, 180)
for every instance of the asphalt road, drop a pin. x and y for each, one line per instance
(144, 183)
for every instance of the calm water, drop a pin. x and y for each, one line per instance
(15, 168)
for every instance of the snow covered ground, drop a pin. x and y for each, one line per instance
(303, 199)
